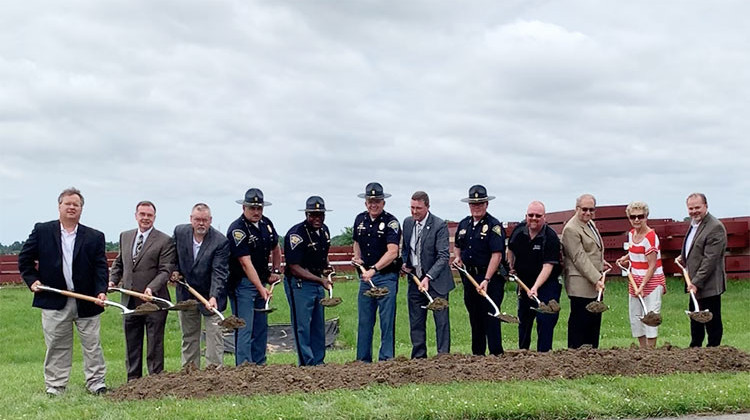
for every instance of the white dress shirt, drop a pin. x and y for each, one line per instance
(68, 242)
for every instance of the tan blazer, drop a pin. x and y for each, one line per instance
(583, 258)
(705, 261)
(151, 269)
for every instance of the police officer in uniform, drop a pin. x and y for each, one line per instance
(376, 235)
(252, 239)
(534, 256)
(306, 252)
(480, 246)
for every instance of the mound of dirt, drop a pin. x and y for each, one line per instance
(281, 379)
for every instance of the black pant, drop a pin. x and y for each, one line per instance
(714, 328)
(545, 323)
(418, 323)
(134, 326)
(485, 329)
(583, 326)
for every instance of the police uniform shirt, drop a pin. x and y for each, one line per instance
(532, 254)
(479, 241)
(257, 242)
(307, 247)
(373, 236)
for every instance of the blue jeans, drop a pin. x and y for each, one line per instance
(366, 311)
(250, 341)
(308, 319)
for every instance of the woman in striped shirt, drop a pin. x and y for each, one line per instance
(645, 261)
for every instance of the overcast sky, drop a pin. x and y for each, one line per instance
(184, 101)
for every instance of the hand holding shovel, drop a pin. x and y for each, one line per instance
(598, 306)
(374, 292)
(437, 304)
(330, 300)
(652, 319)
(267, 308)
(230, 323)
(125, 311)
(552, 308)
(502, 316)
(698, 315)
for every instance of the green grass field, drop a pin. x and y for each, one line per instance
(23, 350)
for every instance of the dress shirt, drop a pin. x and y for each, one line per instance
(145, 236)
(68, 241)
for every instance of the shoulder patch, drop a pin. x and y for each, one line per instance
(462, 232)
(294, 240)
(498, 229)
(238, 235)
(393, 224)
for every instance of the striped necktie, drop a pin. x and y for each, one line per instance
(138, 246)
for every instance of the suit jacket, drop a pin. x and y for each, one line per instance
(705, 260)
(151, 268)
(89, 266)
(435, 252)
(583, 257)
(207, 273)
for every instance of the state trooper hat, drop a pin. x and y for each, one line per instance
(253, 198)
(478, 194)
(315, 204)
(374, 190)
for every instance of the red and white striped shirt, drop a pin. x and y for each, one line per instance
(639, 264)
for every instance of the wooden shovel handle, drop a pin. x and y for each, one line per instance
(195, 293)
(521, 284)
(684, 272)
(630, 277)
(142, 296)
(71, 294)
(471, 279)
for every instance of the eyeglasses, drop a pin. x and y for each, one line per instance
(587, 209)
(637, 217)
(534, 216)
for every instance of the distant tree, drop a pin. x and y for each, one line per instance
(11, 249)
(344, 238)
(112, 246)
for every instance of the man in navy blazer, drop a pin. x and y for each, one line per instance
(426, 252)
(203, 261)
(71, 257)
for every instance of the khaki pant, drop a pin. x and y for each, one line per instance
(190, 322)
(57, 326)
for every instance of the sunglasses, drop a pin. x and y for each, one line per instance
(587, 209)
(534, 216)
(637, 217)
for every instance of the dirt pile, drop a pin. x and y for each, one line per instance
(282, 379)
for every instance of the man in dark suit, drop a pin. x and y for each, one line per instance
(203, 261)
(425, 253)
(143, 264)
(71, 257)
(703, 250)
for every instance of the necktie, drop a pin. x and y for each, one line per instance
(418, 247)
(596, 234)
(138, 246)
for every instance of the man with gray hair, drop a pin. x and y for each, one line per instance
(70, 257)
(583, 256)
(703, 251)
(203, 261)
(425, 253)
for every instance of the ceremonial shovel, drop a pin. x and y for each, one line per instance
(502, 316)
(330, 300)
(374, 292)
(652, 319)
(143, 296)
(125, 311)
(266, 308)
(229, 323)
(437, 304)
(598, 306)
(698, 316)
(552, 308)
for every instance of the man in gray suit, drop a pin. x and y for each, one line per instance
(143, 264)
(203, 261)
(426, 253)
(703, 250)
